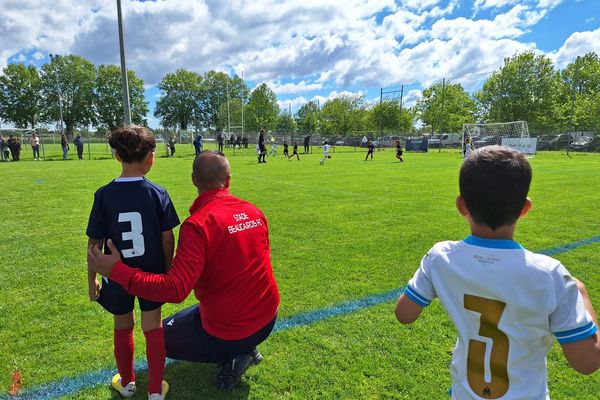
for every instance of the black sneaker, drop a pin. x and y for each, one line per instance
(231, 372)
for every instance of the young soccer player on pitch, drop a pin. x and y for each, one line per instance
(506, 302)
(370, 150)
(295, 151)
(326, 155)
(139, 217)
(399, 151)
(286, 152)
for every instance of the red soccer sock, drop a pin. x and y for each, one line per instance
(124, 354)
(156, 354)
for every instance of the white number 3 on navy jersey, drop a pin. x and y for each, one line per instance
(135, 234)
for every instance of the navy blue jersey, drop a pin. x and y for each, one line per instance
(133, 212)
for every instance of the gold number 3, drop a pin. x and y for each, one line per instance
(491, 312)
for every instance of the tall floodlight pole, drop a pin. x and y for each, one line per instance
(243, 94)
(126, 108)
(228, 113)
(55, 57)
(573, 104)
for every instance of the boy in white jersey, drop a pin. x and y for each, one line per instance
(506, 303)
(326, 155)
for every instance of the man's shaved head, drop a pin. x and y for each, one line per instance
(211, 170)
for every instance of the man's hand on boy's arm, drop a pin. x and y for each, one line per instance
(103, 263)
(168, 244)
(407, 311)
(93, 284)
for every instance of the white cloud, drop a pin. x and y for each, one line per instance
(577, 44)
(300, 87)
(297, 47)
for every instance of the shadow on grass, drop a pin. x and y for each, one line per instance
(190, 381)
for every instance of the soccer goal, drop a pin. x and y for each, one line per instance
(510, 134)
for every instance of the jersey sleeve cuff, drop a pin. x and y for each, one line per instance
(416, 297)
(121, 273)
(577, 334)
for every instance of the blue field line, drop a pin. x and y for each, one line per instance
(67, 386)
(571, 246)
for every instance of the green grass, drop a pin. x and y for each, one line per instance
(338, 232)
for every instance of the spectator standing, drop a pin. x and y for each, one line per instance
(307, 144)
(172, 146)
(78, 142)
(4, 149)
(262, 147)
(198, 144)
(65, 146)
(220, 142)
(14, 144)
(34, 142)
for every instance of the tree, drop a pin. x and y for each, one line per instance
(307, 117)
(390, 116)
(343, 115)
(70, 81)
(445, 107)
(20, 95)
(524, 89)
(262, 109)
(218, 87)
(109, 97)
(580, 94)
(180, 101)
(286, 123)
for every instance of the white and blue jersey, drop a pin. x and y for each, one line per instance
(508, 304)
(134, 212)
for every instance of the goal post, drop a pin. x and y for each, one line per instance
(513, 134)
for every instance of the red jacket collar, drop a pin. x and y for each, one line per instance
(206, 197)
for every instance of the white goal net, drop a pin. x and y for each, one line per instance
(510, 134)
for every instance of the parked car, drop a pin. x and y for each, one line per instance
(544, 142)
(340, 142)
(445, 140)
(584, 143)
(561, 141)
(486, 141)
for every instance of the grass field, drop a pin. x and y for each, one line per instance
(339, 232)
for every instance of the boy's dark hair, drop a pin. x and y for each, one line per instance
(494, 181)
(132, 142)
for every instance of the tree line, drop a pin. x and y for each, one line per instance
(527, 87)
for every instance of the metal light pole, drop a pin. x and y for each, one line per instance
(55, 57)
(126, 108)
(243, 95)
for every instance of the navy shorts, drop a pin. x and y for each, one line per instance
(186, 339)
(118, 302)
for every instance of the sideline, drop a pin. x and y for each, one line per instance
(71, 385)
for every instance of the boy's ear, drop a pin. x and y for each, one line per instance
(150, 158)
(526, 207)
(227, 181)
(461, 206)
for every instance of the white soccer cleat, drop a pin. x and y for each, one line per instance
(160, 396)
(125, 391)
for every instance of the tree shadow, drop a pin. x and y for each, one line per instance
(190, 381)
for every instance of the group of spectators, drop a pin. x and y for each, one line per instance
(12, 147)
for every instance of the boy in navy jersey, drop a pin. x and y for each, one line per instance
(139, 217)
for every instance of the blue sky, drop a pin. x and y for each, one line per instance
(305, 50)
